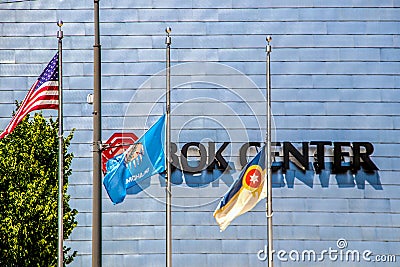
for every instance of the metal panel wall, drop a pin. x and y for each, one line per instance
(335, 68)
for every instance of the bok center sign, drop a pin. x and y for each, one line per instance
(212, 157)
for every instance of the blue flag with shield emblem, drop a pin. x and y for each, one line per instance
(140, 161)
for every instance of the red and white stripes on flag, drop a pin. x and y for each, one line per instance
(42, 95)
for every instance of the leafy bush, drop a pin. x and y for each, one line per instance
(29, 194)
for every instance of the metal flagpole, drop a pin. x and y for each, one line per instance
(168, 151)
(97, 175)
(268, 156)
(60, 151)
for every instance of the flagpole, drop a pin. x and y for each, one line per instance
(268, 156)
(60, 151)
(97, 175)
(168, 151)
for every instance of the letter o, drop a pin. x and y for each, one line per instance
(203, 157)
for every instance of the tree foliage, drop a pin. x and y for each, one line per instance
(29, 195)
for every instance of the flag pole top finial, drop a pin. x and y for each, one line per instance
(168, 38)
(60, 32)
(269, 39)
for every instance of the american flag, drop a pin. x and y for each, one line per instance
(42, 95)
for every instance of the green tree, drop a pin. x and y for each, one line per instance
(29, 194)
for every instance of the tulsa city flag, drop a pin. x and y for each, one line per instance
(244, 193)
(140, 161)
(42, 95)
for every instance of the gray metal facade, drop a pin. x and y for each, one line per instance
(335, 67)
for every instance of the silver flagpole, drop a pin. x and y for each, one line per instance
(60, 151)
(97, 175)
(268, 157)
(168, 151)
